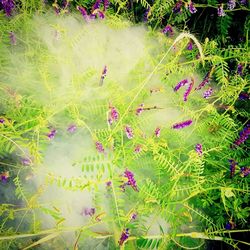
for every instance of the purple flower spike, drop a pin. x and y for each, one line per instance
(88, 211)
(157, 132)
(26, 161)
(190, 46)
(140, 109)
(220, 11)
(233, 164)
(72, 128)
(124, 237)
(231, 4)
(208, 93)
(83, 12)
(177, 7)
(105, 4)
(8, 6)
(240, 69)
(4, 177)
(244, 171)
(182, 124)
(113, 115)
(52, 134)
(131, 181)
(12, 38)
(101, 14)
(243, 136)
(180, 84)
(138, 149)
(188, 90)
(104, 73)
(99, 147)
(129, 132)
(205, 80)
(108, 183)
(192, 8)
(168, 30)
(244, 96)
(96, 5)
(133, 216)
(198, 149)
(2, 120)
(145, 16)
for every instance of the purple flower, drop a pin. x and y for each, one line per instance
(131, 181)
(105, 4)
(192, 8)
(233, 164)
(244, 171)
(129, 132)
(83, 12)
(8, 6)
(180, 84)
(99, 147)
(138, 149)
(243, 2)
(231, 4)
(243, 136)
(190, 46)
(228, 226)
(101, 14)
(88, 211)
(72, 128)
(145, 16)
(177, 7)
(104, 73)
(108, 183)
(157, 132)
(2, 120)
(168, 29)
(133, 216)
(240, 69)
(26, 161)
(124, 237)
(140, 109)
(4, 177)
(113, 115)
(198, 149)
(220, 11)
(188, 90)
(244, 96)
(181, 125)
(205, 81)
(96, 5)
(208, 93)
(12, 38)
(52, 134)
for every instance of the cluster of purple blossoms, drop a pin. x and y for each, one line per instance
(12, 38)
(190, 45)
(177, 7)
(208, 93)
(108, 183)
(168, 30)
(129, 132)
(231, 4)
(26, 161)
(99, 147)
(138, 149)
(198, 149)
(230, 225)
(51, 134)
(220, 11)
(8, 6)
(146, 14)
(244, 134)
(113, 115)
(233, 164)
(71, 128)
(140, 109)
(104, 73)
(4, 177)
(133, 216)
(192, 8)
(240, 69)
(181, 125)
(244, 171)
(188, 90)
(124, 237)
(244, 96)
(2, 120)
(180, 84)
(88, 211)
(157, 132)
(131, 180)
